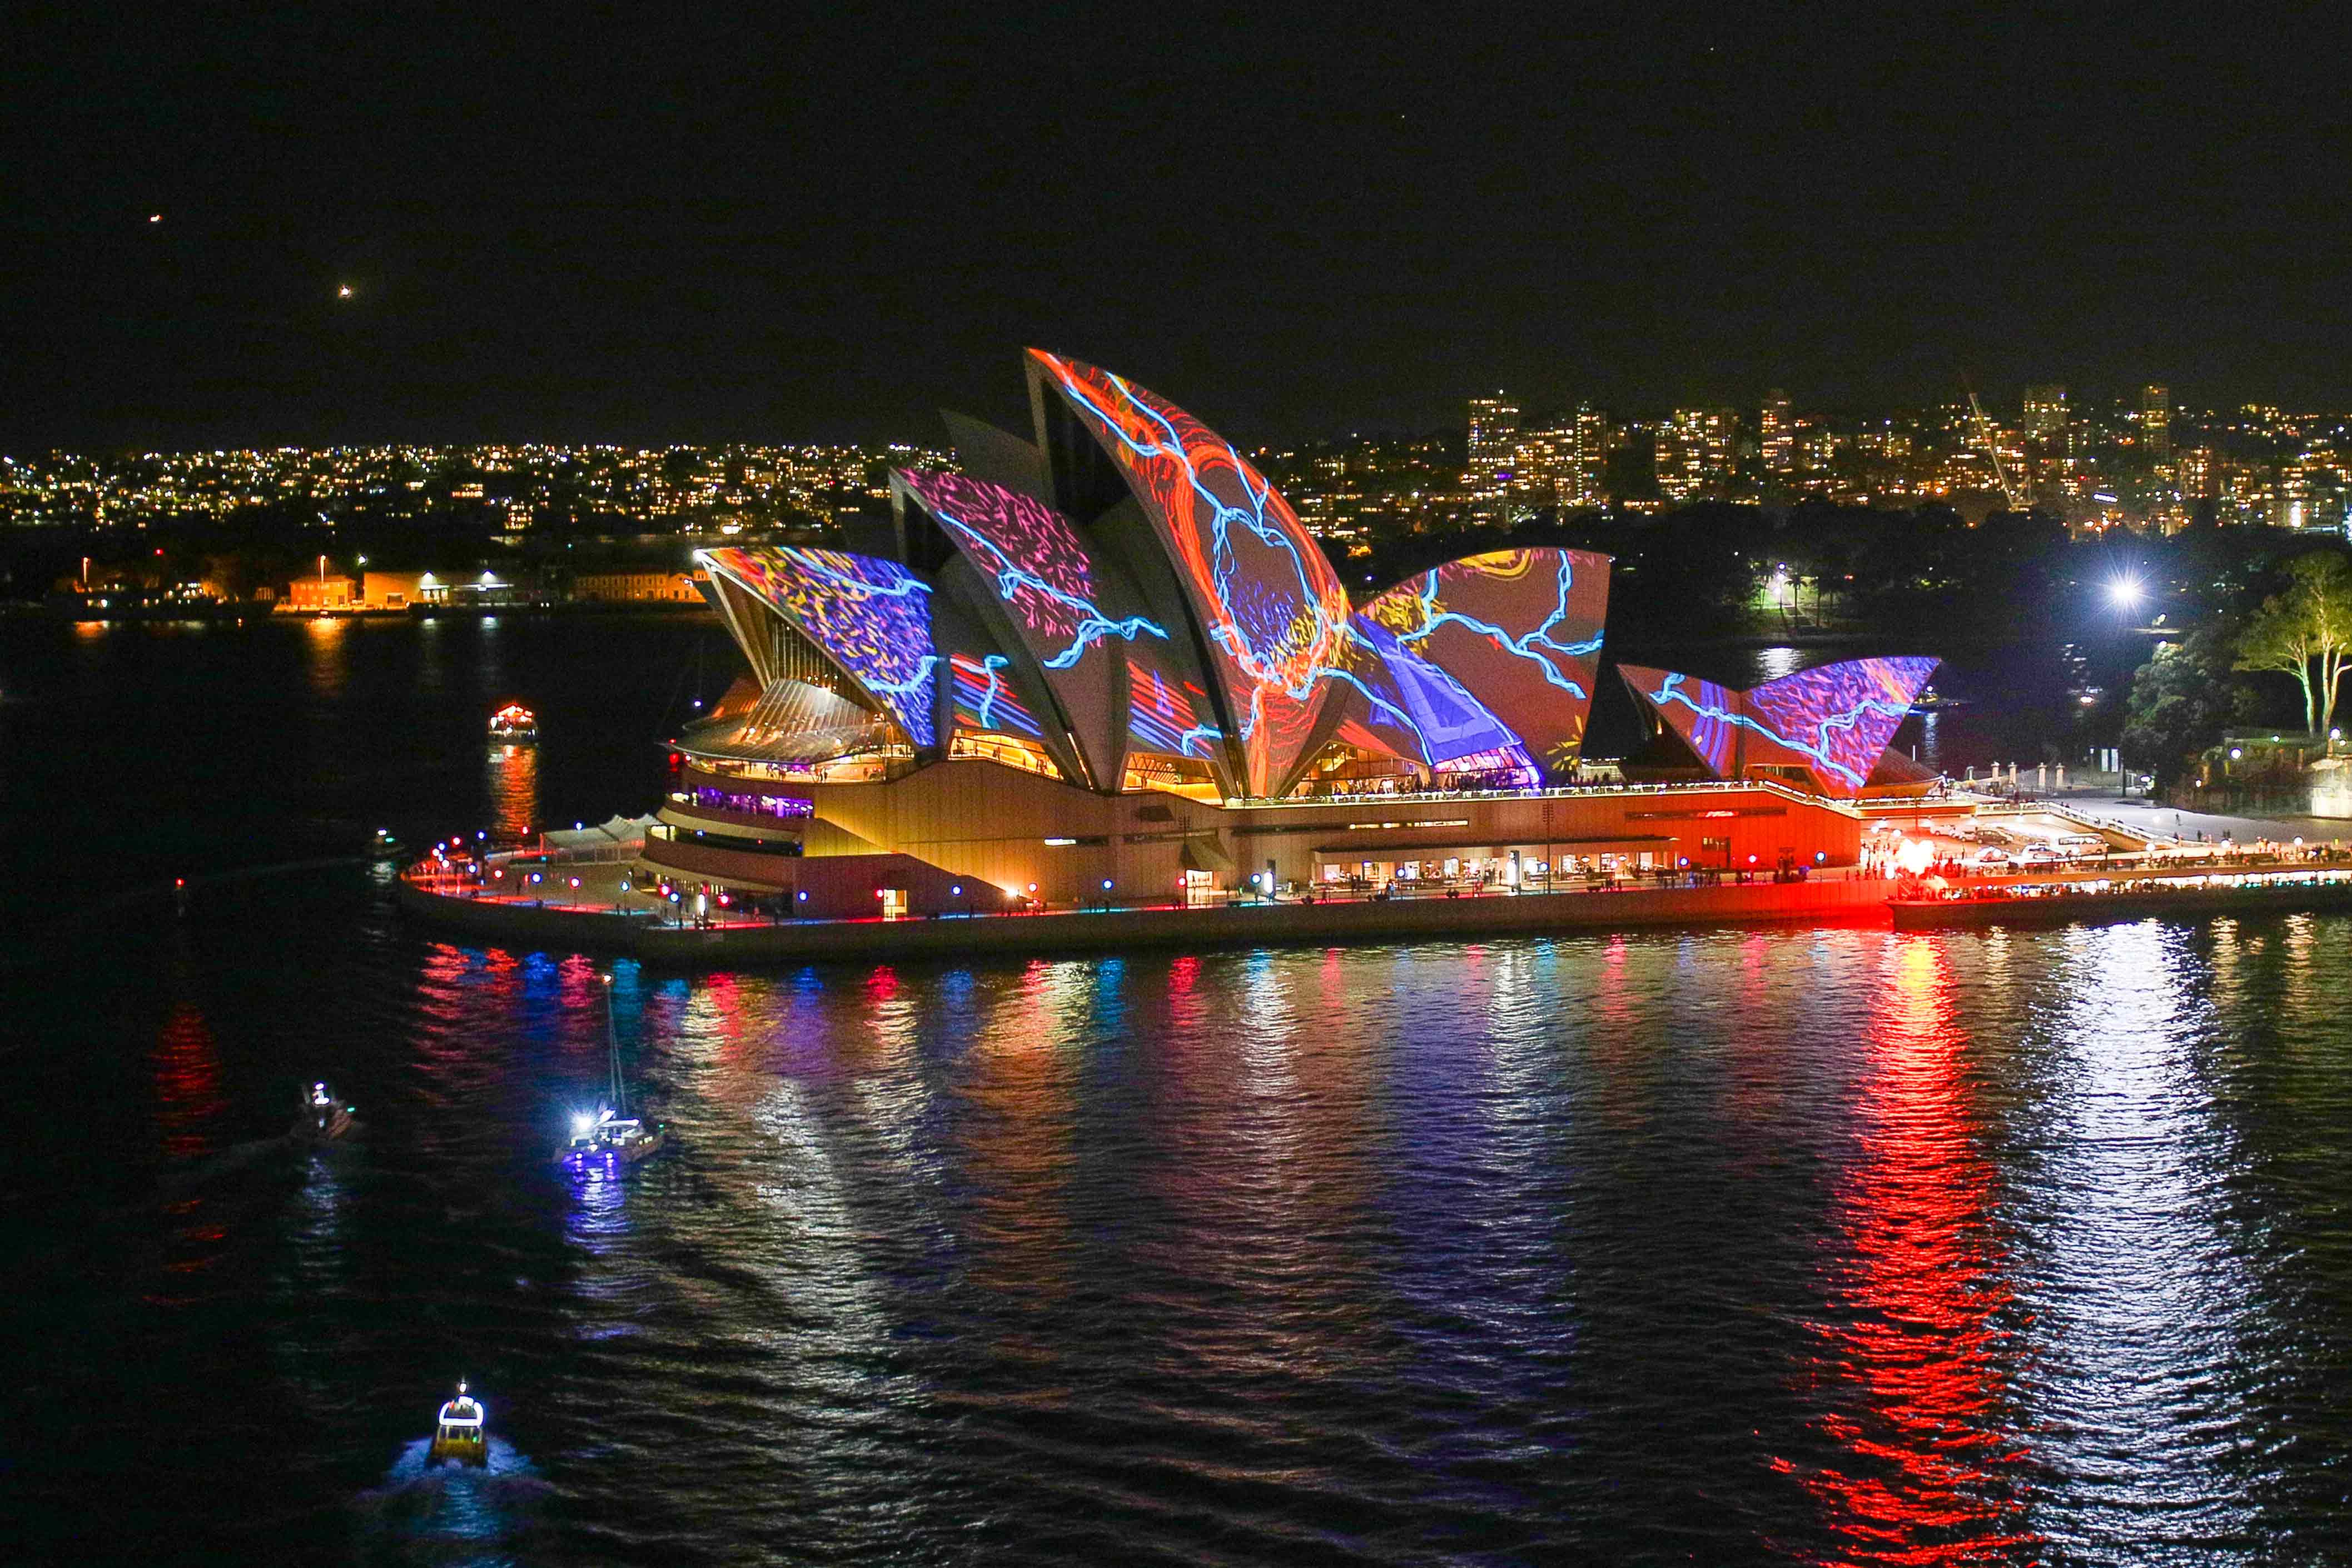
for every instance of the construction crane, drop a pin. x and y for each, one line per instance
(2009, 490)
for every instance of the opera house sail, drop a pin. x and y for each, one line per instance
(1827, 727)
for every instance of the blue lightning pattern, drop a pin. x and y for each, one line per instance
(994, 708)
(1399, 629)
(1289, 660)
(1532, 646)
(1155, 709)
(871, 616)
(1671, 693)
(1229, 633)
(1012, 579)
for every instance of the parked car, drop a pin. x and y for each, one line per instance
(2037, 856)
(1991, 855)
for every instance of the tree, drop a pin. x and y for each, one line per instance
(2278, 640)
(2181, 701)
(2327, 577)
(2306, 632)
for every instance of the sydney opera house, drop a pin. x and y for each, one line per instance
(1106, 663)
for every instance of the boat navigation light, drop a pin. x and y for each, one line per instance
(582, 1125)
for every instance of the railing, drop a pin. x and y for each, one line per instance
(749, 866)
(726, 816)
(1555, 792)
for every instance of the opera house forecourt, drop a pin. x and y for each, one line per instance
(1103, 669)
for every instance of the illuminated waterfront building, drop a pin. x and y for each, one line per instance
(1105, 661)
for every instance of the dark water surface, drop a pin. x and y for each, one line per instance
(1827, 1245)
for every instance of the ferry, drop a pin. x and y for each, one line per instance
(324, 1117)
(514, 725)
(461, 1432)
(1930, 700)
(611, 1135)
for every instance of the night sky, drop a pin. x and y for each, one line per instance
(619, 226)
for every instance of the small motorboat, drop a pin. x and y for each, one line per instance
(386, 845)
(461, 1432)
(611, 1136)
(514, 725)
(324, 1117)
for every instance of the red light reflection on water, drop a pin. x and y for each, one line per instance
(513, 780)
(188, 1104)
(1912, 1366)
(187, 1083)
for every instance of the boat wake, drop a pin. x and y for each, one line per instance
(454, 1512)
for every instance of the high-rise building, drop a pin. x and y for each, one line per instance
(1589, 459)
(2156, 421)
(1695, 452)
(2199, 479)
(2045, 412)
(1493, 435)
(1777, 431)
(1564, 463)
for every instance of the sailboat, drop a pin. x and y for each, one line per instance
(612, 1136)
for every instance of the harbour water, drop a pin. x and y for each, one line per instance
(1821, 1246)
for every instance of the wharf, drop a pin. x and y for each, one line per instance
(2065, 903)
(1820, 901)
(587, 921)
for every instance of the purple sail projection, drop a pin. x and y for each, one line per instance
(1490, 653)
(871, 617)
(1839, 717)
(1834, 721)
(1044, 574)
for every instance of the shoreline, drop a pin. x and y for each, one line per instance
(1831, 901)
(1826, 901)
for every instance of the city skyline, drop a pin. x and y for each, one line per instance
(2092, 461)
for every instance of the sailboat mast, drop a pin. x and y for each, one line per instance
(613, 1052)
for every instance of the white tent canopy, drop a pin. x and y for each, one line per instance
(617, 833)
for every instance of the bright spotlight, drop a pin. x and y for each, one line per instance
(2124, 592)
